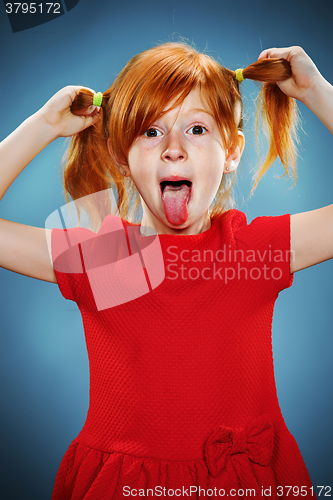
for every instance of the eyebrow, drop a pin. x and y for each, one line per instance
(196, 110)
(201, 111)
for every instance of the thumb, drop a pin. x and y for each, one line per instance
(93, 118)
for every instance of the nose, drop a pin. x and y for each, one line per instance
(174, 148)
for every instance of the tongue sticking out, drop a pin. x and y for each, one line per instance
(175, 200)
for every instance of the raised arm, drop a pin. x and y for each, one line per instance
(311, 232)
(24, 249)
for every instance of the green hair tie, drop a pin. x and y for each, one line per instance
(239, 75)
(98, 98)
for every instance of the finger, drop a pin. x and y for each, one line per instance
(284, 53)
(264, 54)
(77, 88)
(273, 53)
(73, 90)
(89, 111)
(90, 120)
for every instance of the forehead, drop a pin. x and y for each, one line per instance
(195, 101)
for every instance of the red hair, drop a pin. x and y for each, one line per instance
(144, 89)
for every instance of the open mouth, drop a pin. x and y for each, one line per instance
(176, 195)
(175, 185)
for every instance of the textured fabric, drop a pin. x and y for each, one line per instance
(182, 388)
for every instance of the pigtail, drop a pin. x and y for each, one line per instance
(278, 112)
(89, 167)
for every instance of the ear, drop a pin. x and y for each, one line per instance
(233, 157)
(122, 169)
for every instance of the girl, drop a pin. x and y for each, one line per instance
(178, 326)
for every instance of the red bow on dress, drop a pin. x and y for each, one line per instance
(253, 443)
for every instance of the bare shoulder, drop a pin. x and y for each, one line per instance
(26, 250)
(311, 237)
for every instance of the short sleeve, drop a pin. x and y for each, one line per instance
(66, 261)
(76, 251)
(267, 241)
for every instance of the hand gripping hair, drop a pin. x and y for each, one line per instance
(161, 78)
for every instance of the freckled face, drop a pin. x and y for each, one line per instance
(184, 143)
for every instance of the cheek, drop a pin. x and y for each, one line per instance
(136, 162)
(214, 164)
(139, 165)
(213, 177)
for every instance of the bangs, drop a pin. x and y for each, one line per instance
(158, 81)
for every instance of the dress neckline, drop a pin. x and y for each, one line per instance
(215, 222)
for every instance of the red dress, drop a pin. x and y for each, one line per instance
(182, 391)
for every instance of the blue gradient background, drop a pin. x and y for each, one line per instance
(44, 365)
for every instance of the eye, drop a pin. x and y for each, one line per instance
(198, 130)
(152, 132)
